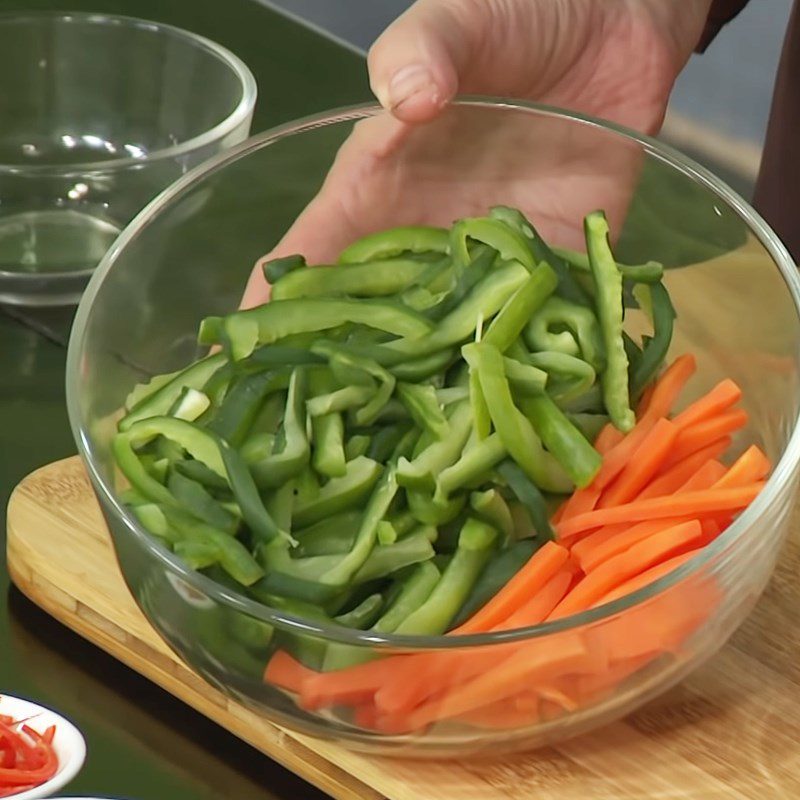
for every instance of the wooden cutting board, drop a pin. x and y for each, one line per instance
(732, 730)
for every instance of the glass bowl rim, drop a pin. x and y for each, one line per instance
(243, 109)
(777, 481)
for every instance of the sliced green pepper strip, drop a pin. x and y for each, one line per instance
(327, 432)
(198, 555)
(279, 505)
(515, 314)
(386, 559)
(480, 411)
(525, 378)
(157, 403)
(276, 469)
(356, 445)
(413, 592)
(190, 405)
(330, 536)
(372, 279)
(429, 512)
(497, 573)
(416, 589)
(650, 272)
(379, 502)
(234, 419)
(482, 261)
(589, 425)
(338, 494)
(541, 252)
(655, 351)
(514, 429)
(363, 615)
(340, 400)
(198, 471)
(492, 508)
(475, 462)
(568, 377)
(277, 268)
(579, 335)
(484, 301)
(433, 617)
(531, 498)
(421, 472)
(386, 533)
(386, 438)
(281, 355)
(258, 447)
(423, 406)
(243, 331)
(562, 439)
(193, 495)
(205, 446)
(608, 284)
(394, 242)
(233, 555)
(422, 368)
(501, 237)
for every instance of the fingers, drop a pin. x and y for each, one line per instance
(416, 64)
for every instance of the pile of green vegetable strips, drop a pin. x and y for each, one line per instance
(382, 444)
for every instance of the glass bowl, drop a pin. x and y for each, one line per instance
(99, 114)
(188, 255)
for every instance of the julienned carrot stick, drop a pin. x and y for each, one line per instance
(352, 686)
(608, 437)
(668, 387)
(644, 401)
(426, 677)
(644, 464)
(602, 549)
(724, 395)
(589, 686)
(536, 661)
(502, 715)
(647, 577)
(705, 477)
(626, 565)
(542, 565)
(671, 480)
(579, 503)
(698, 436)
(752, 465)
(665, 393)
(687, 504)
(286, 672)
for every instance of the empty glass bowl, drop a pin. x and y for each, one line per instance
(737, 295)
(97, 115)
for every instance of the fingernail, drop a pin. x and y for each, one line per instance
(406, 83)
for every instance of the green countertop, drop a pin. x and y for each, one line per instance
(143, 744)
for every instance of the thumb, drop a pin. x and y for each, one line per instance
(415, 65)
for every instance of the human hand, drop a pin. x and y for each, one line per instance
(615, 59)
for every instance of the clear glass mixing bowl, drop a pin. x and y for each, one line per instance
(188, 254)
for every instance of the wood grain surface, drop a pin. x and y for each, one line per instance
(732, 730)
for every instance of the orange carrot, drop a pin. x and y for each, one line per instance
(590, 686)
(627, 565)
(688, 504)
(654, 450)
(647, 577)
(597, 548)
(705, 477)
(752, 465)
(579, 503)
(724, 395)
(501, 715)
(644, 401)
(698, 436)
(536, 661)
(608, 437)
(670, 480)
(668, 387)
(426, 678)
(542, 565)
(286, 672)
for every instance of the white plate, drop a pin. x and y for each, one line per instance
(69, 746)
